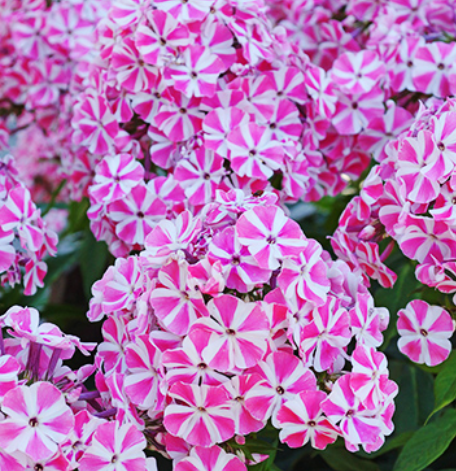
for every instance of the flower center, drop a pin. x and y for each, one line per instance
(235, 260)
(140, 214)
(271, 240)
(114, 459)
(33, 422)
(441, 146)
(230, 331)
(280, 390)
(424, 332)
(311, 423)
(202, 366)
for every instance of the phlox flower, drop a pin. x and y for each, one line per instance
(305, 277)
(124, 284)
(186, 363)
(198, 73)
(369, 376)
(201, 414)
(158, 38)
(253, 152)
(168, 237)
(115, 176)
(358, 72)
(238, 387)
(115, 447)
(358, 425)
(301, 420)
(200, 175)
(210, 459)
(367, 321)
(323, 339)
(420, 166)
(142, 385)
(269, 235)
(38, 420)
(95, 125)
(240, 268)
(19, 212)
(424, 332)
(283, 377)
(136, 214)
(175, 303)
(238, 333)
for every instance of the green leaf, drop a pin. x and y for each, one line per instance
(93, 260)
(341, 460)
(445, 384)
(392, 443)
(427, 443)
(397, 297)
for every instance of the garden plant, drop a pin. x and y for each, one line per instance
(227, 235)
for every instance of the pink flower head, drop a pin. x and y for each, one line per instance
(269, 235)
(115, 447)
(198, 74)
(186, 363)
(238, 387)
(305, 277)
(176, 304)
(253, 152)
(420, 166)
(369, 376)
(238, 333)
(357, 424)
(115, 176)
(136, 214)
(168, 237)
(159, 37)
(19, 212)
(424, 332)
(201, 414)
(284, 376)
(358, 72)
(38, 420)
(218, 124)
(240, 268)
(323, 339)
(301, 420)
(142, 385)
(95, 125)
(124, 283)
(200, 175)
(210, 459)
(367, 321)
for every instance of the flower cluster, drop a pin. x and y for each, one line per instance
(190, 126)
(25, 238)
(44, 55)
(409, 199)
(234, 318)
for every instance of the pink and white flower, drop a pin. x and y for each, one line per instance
(301, 420)
(201, 414)
(115, 447)
(269, 235)
(238, 333)
(37, 421)
(424, 332)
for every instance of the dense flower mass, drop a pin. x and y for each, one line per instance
(190, 132)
